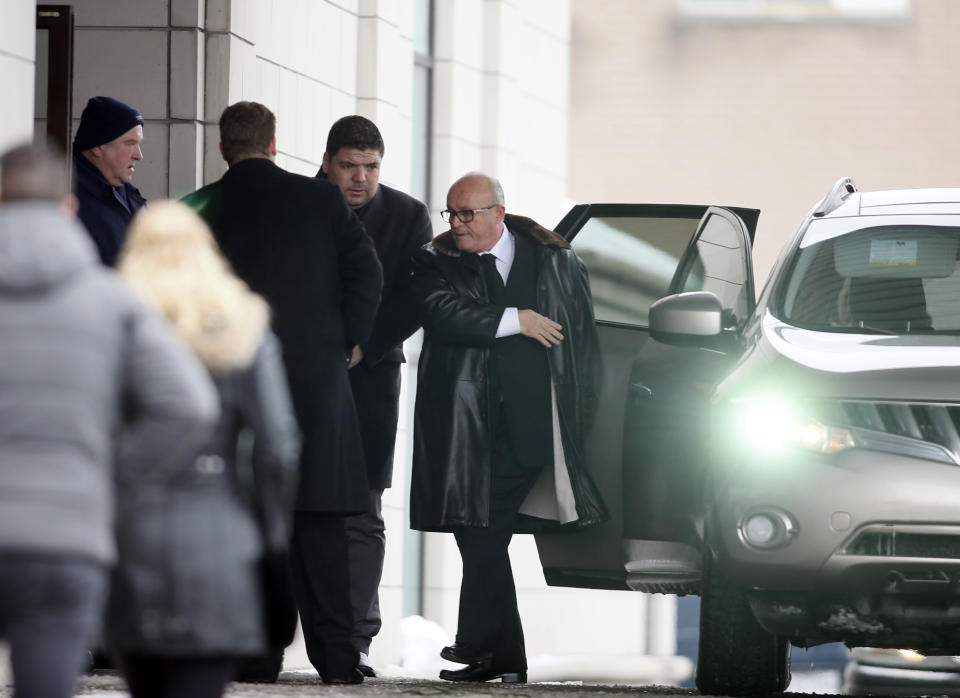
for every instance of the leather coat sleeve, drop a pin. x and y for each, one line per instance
(453, 306)
(268, 412)
(589, 365)
(361, 276)
(170, 403)
(397, 318)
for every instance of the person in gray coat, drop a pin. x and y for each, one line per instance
(86, 372)
(187, 604)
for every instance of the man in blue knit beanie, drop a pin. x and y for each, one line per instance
(106, 149)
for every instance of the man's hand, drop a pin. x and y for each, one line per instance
(355, 357)
(539, 327)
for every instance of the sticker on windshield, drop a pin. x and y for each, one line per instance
(893, 253)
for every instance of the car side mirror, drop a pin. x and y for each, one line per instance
(694, 318)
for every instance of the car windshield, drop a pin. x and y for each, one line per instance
(853, 276)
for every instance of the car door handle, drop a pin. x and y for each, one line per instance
(640, 390)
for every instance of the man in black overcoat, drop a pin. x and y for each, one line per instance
(399, 225)
(506, 390)
(296, 242)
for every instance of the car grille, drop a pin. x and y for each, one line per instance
(923, 430)
(900, 544)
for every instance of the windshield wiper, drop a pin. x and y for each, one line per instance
(865, 329)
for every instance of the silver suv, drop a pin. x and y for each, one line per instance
(793, 460)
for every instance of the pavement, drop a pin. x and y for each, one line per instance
(549, 676)
(110, 685)
(566, 676)
(306, 683)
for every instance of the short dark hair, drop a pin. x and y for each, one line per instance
(246, 128)
(33, 172)
(354, 132)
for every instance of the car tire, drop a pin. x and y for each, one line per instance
(736, 656)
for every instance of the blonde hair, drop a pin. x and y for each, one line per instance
(171, 261)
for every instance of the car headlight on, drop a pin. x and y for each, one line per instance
(826, 439)
(769, 424)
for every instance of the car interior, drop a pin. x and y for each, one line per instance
(897, 305)
(891, 279)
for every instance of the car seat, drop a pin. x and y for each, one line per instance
(898, 305)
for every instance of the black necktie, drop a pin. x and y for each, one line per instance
(488, 263)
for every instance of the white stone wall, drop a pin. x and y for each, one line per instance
(500, 99)
(500, 105)
(312, 62)
(149, 54)
(17, 58)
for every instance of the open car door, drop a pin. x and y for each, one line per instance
(644, 451)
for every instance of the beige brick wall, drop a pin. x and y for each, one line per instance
(759, 114)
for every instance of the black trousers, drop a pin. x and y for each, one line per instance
(321, 579)
(489, 618)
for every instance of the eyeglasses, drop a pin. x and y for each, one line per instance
(466, 215)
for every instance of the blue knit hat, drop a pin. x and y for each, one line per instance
(104, 119)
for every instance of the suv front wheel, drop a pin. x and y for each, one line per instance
(736, 656)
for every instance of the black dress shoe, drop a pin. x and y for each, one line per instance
(354, 676)
(365, 667)
(462, 654)
(263, 669)
(482, 672)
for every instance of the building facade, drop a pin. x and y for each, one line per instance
(454, 85)
(762, 103)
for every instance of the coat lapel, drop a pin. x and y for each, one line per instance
(374, 218)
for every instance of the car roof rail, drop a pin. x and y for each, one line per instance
(838, 193)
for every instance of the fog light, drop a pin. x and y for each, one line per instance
(766, 529)
(760, 529)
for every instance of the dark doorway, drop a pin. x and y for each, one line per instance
(53, 100)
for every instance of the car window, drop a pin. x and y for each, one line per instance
(631, 261)
(884, 278)
(719, 265)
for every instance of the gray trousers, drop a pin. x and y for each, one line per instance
(51, 609)
(366, 544)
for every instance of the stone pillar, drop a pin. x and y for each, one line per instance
(17, 65)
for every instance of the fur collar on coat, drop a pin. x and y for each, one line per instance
(172, 263)
(518, 225)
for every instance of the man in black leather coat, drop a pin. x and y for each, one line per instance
(506, 392)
